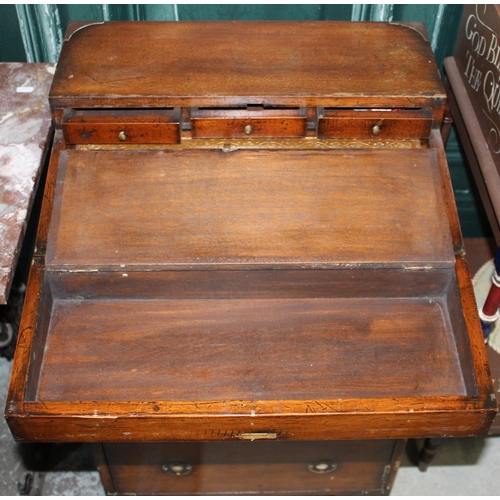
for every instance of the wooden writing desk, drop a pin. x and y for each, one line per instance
(249, 273)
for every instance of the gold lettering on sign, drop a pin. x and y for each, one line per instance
(493, 56)
(473, 75)
(472, 34)
(482, 68)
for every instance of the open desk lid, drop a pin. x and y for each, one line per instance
(155, 317)
(117, 210)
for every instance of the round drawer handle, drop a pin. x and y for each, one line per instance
(248, 129)
(177, 468)
(122, 136)
(322, 466)
(376, 130)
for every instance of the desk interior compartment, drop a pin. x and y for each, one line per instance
(166, 341)
(258, 335)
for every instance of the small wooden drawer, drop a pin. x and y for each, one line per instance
(250, 468)
(368, 124)
(107, 126)
(248, 123)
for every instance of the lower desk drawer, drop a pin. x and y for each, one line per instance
(250, 467)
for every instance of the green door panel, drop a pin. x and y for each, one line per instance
(72, 12)
(11, 42)
(258, 12)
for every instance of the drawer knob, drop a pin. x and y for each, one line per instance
(122, 136)
(177, 468)
(322, 466)
(376, 130)
(248, 129)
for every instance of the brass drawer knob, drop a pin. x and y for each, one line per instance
(376, 130)
(248, 129)
(322, 466)
(177, 468)
(122, 136)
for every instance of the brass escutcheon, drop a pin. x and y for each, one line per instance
(322, 467)
(177, 468)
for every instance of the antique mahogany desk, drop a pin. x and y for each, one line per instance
(249, 273)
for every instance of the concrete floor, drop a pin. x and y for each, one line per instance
(465, 466)
(16, 460)
(468, 466)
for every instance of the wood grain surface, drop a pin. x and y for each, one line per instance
(436, 143)
(230, 63)
(234, 128)
(263, 284)
(258, 209)
(389, 418)
(248, 350)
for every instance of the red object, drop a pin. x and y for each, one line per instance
(492, 301)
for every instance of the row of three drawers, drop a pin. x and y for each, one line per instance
(166, 126)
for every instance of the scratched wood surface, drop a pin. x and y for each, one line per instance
(479, 252)
(392, 419)
(468, 411)
(25, 127)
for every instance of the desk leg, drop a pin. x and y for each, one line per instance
(428, 452)
(102, 467)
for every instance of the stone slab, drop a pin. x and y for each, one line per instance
(25, 132)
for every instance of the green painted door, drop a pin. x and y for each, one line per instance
(34, 33)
